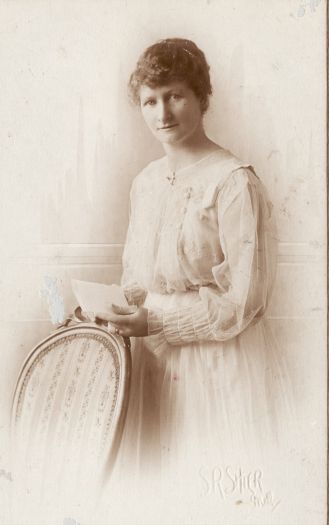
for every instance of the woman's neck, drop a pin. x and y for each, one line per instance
(184, 154)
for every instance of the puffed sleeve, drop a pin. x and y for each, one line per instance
(243, 279)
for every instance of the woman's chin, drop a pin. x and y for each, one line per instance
(172, 138)
(167, 137)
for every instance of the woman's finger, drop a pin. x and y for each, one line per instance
(123, 330)
(112, 317)
(112, 329)
(123, 310)
(103, 316)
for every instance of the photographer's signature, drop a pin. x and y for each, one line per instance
(236, 484)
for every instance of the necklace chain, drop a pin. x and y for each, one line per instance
(171, 177)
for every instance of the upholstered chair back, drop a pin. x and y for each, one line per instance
(68, 415)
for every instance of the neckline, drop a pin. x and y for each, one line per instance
(174, 176)
(194, 164)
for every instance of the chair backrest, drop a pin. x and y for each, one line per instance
(68, 415)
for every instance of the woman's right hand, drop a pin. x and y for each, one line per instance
(120, 322)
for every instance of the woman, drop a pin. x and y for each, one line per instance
(199, 265)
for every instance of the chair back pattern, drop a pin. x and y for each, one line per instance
(69, 409)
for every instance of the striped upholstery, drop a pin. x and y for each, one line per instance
(68, 415)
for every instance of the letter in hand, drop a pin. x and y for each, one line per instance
(124, 310)
(128, 321)
(120, 310)
(115, 309)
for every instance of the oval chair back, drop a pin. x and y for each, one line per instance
(68, 415)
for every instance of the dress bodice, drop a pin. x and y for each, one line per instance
(207, 232)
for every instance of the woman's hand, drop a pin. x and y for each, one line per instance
(124, 322)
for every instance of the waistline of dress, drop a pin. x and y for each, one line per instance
(172, 300)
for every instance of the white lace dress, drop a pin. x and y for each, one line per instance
(207, 384)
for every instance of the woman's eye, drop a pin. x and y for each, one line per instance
(149, 102)
(175, 96)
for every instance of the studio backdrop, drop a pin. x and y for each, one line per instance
(71, 144)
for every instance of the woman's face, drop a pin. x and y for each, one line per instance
(172, 112)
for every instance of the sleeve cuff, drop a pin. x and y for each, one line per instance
(184, 325)
(154, 321)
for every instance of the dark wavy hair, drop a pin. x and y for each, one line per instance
(172, 59)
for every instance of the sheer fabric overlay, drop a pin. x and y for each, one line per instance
(209, 386)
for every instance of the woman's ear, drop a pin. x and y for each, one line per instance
(204, 104)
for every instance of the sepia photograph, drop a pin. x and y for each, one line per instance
(163, 262)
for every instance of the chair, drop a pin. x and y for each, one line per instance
(68, 414)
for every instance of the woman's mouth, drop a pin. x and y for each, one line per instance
(168, 128)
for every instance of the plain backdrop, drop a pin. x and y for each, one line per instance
(71, 143)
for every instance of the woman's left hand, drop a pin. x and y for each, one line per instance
(126, 324)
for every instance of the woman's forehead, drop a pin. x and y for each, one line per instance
(175, 85)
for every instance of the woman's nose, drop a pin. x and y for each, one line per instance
(163, 112)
